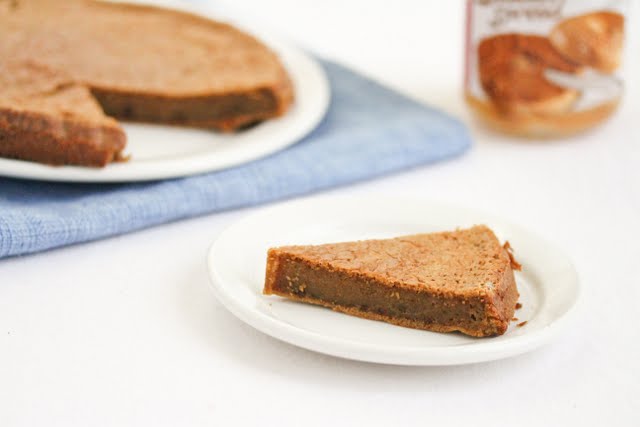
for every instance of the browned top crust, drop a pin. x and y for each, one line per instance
(135, 48)
(593, 40)
(462, 262)
(512, 66)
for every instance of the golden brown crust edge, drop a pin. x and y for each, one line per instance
(503, 303)
(273, 264)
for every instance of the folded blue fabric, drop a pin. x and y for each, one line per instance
(369, 131)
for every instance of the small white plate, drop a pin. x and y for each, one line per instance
(160, 152)
(548, 283)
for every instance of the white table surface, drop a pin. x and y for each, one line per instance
(125, 331)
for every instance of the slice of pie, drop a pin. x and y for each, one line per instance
(45, 116)
(452, 281)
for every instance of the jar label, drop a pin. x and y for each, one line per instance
(544, 57)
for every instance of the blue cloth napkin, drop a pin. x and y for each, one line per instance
(369, 131)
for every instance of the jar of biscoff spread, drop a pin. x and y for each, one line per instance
(544, 68)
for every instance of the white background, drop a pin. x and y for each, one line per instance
(125, 331)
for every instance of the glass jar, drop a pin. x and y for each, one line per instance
(544, 68)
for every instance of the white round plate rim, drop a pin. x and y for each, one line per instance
(477, 350)
(312, 90)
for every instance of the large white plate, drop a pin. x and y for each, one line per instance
(160, 152)
(548, 284)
